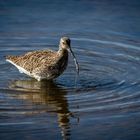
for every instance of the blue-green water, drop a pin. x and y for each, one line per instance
(105, 36)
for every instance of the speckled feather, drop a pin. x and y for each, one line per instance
(45, 63)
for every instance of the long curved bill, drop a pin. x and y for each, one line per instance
(75, 60)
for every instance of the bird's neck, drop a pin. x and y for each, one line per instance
(62, 52)
(62, 58)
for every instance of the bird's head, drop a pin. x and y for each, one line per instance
(65, 44)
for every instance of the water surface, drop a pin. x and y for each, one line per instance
(105, 104)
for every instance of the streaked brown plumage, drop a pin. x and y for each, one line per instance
(44, 64)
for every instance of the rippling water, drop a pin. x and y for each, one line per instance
(105, 103)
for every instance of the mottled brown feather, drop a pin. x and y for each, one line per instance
(42, 63)
(31, 60)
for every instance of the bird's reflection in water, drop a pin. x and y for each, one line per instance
(49, 94)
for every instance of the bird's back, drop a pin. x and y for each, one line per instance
(32, 60)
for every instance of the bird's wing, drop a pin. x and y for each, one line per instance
(31, 60)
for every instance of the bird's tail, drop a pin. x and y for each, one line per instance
(9, 57)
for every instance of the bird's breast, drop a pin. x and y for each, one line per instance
(60, 65)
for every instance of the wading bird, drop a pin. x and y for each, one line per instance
(45, 64)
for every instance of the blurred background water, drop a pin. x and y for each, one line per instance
(105, 37)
